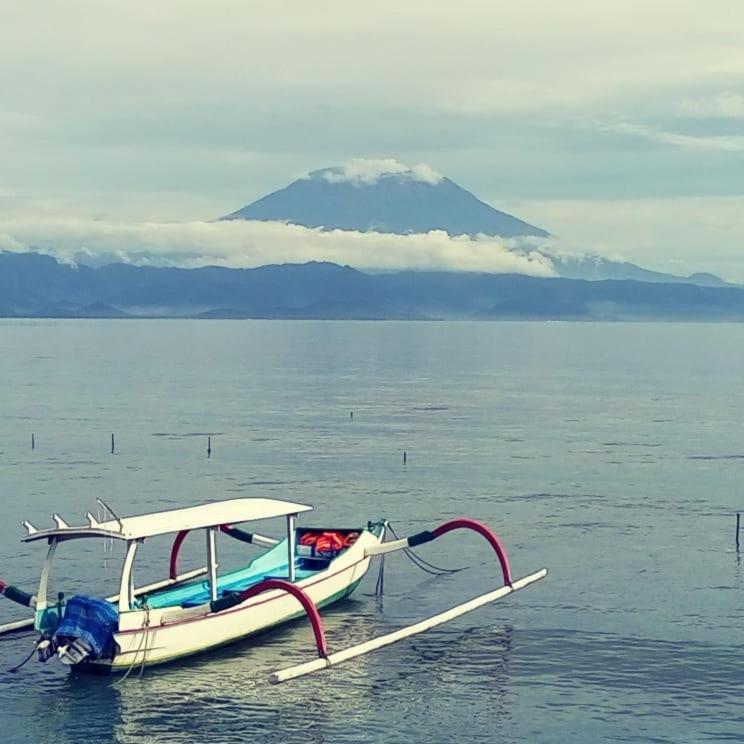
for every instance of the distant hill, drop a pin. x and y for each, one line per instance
(594, 268)
(390, 203)
(33, 285)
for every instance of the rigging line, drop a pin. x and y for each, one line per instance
(113, 513)
(147, 636)
(379, 587)
(420, 562)
(134, 661)
(25, 661)
(414, 556)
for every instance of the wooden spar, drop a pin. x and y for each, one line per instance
(18, 625)
(163, 583)
(263, 541)
(21, 624)
(386, 547)
(318, 665)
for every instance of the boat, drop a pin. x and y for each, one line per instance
(195, 611)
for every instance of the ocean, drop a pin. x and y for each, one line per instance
(612, 454)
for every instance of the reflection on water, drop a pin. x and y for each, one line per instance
(609, 453)
(226, 692)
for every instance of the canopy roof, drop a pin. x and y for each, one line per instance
(232, 511)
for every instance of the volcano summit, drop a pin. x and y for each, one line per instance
(387, 197)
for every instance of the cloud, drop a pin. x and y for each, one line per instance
(247, 244)
(724, 143)
(681, 235)
(218, 106)
(218, 100)
(7, 243)
(363, 171)
(723, 106)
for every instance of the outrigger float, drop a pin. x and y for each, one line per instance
(192, 612)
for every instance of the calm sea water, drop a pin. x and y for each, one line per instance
(612, 454)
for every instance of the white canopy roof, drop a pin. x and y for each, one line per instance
(232, 511)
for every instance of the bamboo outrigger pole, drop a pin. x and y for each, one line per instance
(318, 665)
(23, 624)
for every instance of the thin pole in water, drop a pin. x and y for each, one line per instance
(209, 447)
(738, 523)
(33, 441)
(351, 415)
(113, 445)
(405, 457)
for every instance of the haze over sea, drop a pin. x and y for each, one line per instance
(613, 454)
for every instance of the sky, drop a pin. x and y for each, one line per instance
(617, 126)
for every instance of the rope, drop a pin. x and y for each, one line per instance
(424, 565)
(147, 636)
(143, 640)
(379, 587)
(417, 561)
(25, 661)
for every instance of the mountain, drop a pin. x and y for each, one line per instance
(33, 285)
(386, 196)
(398, 202)
(32, 279)
(594, 268)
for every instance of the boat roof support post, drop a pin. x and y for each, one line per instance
(126, 594)
(291, 547)
(41, 595)
(212, 562)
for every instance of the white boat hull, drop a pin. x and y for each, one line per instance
(148, 637)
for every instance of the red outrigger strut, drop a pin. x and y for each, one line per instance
(481, 529)
(307, 604)
(180, 537)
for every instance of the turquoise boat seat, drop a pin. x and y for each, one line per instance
(272, 563)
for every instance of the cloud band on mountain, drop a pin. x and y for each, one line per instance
(369, 171)
(246, 244)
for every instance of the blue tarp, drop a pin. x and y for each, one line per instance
(92, 619)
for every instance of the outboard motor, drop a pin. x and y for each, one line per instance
(86, 632)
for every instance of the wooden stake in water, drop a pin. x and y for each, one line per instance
(33, 442)
(113, 445)
(209, 447)
(738, 523)
(351, 415)
(405, 457)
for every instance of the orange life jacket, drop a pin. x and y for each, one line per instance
(329, 542)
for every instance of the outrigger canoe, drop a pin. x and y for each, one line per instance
(192, 612)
